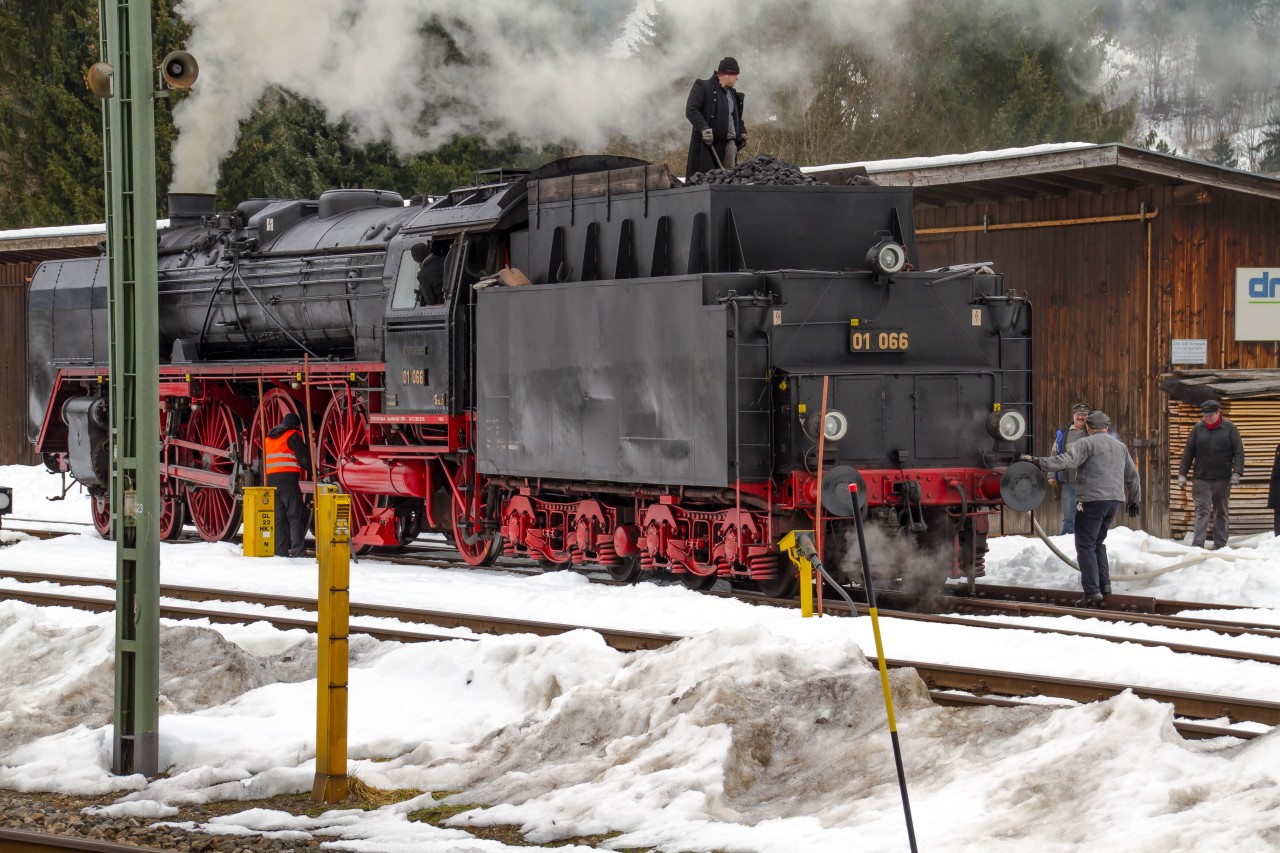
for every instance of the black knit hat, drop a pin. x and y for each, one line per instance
(290, 420)
(728, 65)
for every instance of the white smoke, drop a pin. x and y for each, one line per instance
(575, 71)
(583, 71)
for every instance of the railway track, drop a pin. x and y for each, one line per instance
(946, 682)
(988, 599)
(21, 841)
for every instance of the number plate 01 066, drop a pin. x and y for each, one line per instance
(879, 340)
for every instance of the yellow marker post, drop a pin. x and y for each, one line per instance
(259, 521)
(804, 565)
(333, 551)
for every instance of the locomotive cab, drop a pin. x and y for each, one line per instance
(428, 320)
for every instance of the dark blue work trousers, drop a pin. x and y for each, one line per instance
(1092, 522)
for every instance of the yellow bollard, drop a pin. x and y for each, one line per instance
(259, 521)
(333, 551)
(791, 548)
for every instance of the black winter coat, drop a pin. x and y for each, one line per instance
(706, 108)
(1273, 494)
(1217, 453)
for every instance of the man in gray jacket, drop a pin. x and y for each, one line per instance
(1215, 447)
(1106, 478)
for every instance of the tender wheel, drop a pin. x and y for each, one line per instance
(344, 430)
(215, 512)
(552, 565)
(699, 583)
(100, 507)
(783, 584)
(628, 571)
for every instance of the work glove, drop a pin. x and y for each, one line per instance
(1133, 508)
(742, 140)
(1027, 458)
(1182, 481)
(1235, 479)
(1079, 506)
(1055, 483)
(708, 136)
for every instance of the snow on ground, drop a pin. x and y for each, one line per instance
(759, 732)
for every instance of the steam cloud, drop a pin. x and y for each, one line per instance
(581, 71)
(570, 70)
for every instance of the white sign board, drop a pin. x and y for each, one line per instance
(1258, 303)
(1189, 351)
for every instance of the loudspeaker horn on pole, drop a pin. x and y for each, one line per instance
(101, 80)
(180, 69)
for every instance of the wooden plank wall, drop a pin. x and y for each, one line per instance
(14, 448)
(1102, 332)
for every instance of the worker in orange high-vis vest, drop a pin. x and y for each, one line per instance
(287, 459)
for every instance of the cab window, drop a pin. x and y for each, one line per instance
(406, 292)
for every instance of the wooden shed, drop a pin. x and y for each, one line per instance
(1122, 251)
(20, 253)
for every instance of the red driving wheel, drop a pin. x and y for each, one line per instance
(343, 430)
(214, 510)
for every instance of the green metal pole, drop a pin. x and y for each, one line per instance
(129, 139)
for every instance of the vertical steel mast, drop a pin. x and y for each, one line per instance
(130, 182)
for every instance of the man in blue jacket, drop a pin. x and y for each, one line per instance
(1062, 442)
(1214, 446)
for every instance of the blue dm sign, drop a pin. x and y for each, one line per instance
(1257, 304)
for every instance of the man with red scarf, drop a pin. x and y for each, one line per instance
(1215, 448)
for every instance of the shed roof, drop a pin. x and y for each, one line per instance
(1047, 170)
(24, 245)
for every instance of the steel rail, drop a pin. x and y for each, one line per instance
(1064, 597)
(24, 841)
(1189, 730)
(491, 625)
(979, 681)
(189, 593)
(984, 681)
(1016, 601)
(1218, 626)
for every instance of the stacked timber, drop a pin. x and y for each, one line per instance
(1251, 400)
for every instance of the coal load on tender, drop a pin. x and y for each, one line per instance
(761, 169)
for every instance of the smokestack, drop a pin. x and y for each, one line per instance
(189, 208)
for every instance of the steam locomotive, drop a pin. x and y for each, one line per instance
(586, 364)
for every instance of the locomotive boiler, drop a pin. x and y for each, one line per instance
(586, 364)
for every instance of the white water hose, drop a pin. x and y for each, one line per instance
(1191, 560)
